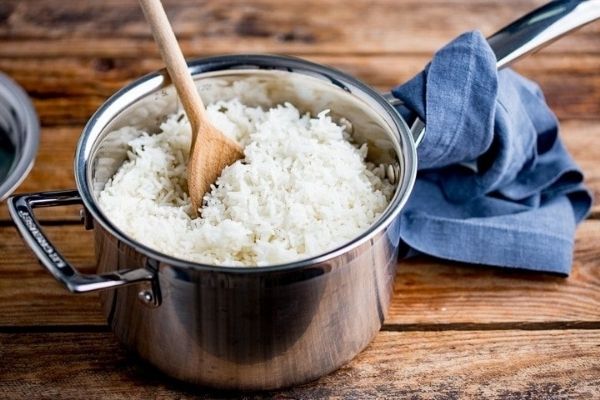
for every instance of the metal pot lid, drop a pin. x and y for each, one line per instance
(19, 135)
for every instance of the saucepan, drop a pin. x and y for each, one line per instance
(264, 327)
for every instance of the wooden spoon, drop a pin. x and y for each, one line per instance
(211, 151)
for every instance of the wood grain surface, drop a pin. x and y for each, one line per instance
(506, 364)
(308, 27)
(570, 84)
(452, 331)
(93, 80)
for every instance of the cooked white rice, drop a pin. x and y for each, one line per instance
(303, 188)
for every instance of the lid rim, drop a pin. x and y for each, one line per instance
(28, 120)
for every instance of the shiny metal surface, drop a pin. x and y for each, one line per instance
(236, 328)
(255, 328)
(20, 129)
(541, 27)
(259, 330)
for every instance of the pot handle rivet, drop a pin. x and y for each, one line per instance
(86, 219)
(146, 297)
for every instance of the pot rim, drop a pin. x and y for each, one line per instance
(159, 79)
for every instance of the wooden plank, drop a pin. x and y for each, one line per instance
(54, 164)
(313, 26)
(581, 139)
(71, 89)
(507, 364)
(426, 291)
(30, 296)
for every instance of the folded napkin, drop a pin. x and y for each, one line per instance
(495, 185)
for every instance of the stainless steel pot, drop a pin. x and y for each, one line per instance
(250, 328)
(236, 327)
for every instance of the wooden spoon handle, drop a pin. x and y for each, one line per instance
(175, 62)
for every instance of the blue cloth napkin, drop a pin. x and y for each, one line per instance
(495, 185)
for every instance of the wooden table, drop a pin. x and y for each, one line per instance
(452, 331)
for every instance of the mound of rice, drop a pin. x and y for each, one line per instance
(303, 188)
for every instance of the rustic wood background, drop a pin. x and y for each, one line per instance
(453, 330)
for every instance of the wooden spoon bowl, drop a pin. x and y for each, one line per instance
(211, 151)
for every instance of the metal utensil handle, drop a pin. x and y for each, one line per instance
(21, 210)
(526, 35)
(541, 27)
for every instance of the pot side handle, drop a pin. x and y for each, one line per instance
(21, 211)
